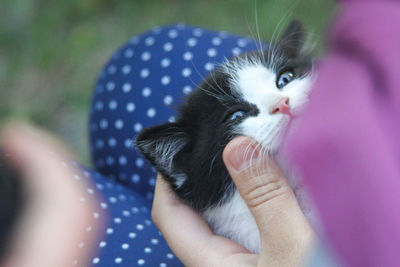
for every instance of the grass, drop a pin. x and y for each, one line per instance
(52, 51)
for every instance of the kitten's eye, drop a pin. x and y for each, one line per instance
(238, 114)
(283, 79)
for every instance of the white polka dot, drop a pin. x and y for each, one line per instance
(90, 191)
(103, 205)
(216, 41)
(141, 261)
(223, 34)
(152, 182)
(168, 47)
(242, 42)
(168, 100)
(187, 89)
(112, 142)
(146, 56)
(110, 86)
(197, 32)
(119, 124)
(146, 92)
(126, 87)
(76, 177)
(126, 213)
(187, 56)
(170, 256)
(117, 220)
(147, 250)
(103, 123)
(165, 62)
(154, 241)
(126, 69)
(209, 66)
(132, 235)
(81, 245)
(102, 244)
(109, 231)
(135, 210)
(165, 80)
(125, 246)
(112, 200)
(236, 51)
(122, 160)
(110, 160)
(111, 69)
(135, 178)
(128, 53)
(172, 33)
(191, 42)
(137, 127)
(95, 260)
(149, 41)
(99, 105)
(162, 264)
(139, 162)
(118, 260)
(112, 104)
(128, 143)
(151, 112)
(211, 52)
(139, 227)
(144, 73)
(130, 107)
(96, 215)
(186, 72)
(135, 40)
(149, 195)
(156, 29)
(171, 119)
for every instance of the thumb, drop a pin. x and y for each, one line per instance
(269, 197)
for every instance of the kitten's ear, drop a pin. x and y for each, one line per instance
(160, 145)
(293, 38)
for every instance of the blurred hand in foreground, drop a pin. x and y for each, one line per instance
(286, 236)
(53, 221)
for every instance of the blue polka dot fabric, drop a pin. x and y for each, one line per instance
(142, 85)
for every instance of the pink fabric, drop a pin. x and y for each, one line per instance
(347, 148)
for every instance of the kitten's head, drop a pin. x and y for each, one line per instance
(255, 94)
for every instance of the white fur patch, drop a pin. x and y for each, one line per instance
(256, 84)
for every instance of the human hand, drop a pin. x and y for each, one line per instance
(54, 220)
(286, 236)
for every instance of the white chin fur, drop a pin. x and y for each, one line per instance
(234, 220)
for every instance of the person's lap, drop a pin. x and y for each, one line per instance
(140, 86)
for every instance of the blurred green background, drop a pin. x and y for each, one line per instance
(52, 51)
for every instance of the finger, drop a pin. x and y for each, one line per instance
(269, 197)
(188, 234)
(54, 220)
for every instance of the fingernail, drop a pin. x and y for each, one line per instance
(242, 155)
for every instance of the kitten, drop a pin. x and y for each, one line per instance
(255, 94)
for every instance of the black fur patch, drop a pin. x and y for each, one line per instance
(202, 131)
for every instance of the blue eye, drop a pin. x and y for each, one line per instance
(238, 114)
(284, 78)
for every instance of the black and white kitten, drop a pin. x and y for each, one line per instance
(255, 94)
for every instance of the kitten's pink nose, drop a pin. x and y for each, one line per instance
(281, 107)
